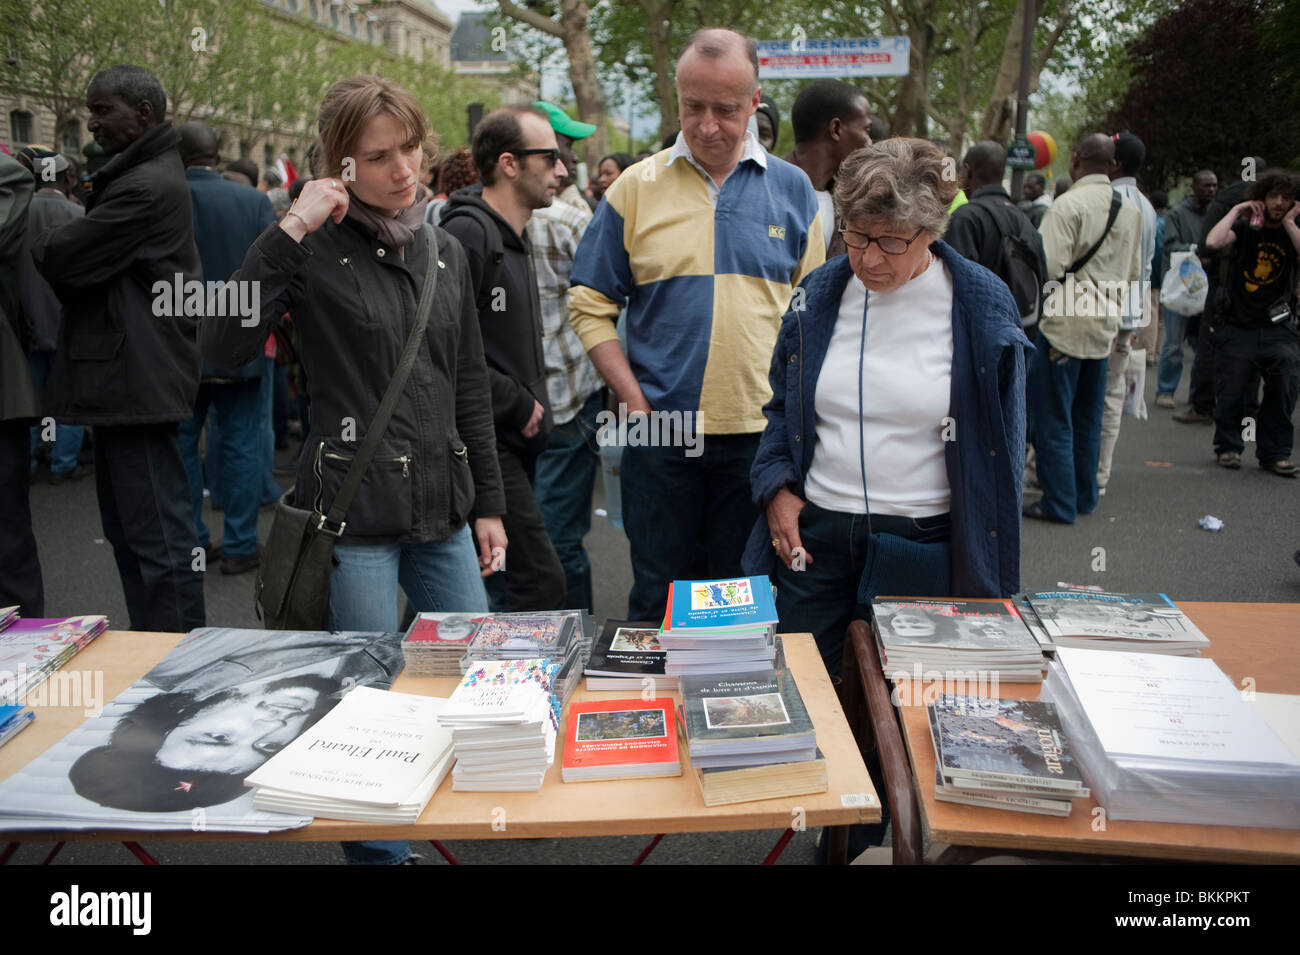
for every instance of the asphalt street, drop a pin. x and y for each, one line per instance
(1143, 537)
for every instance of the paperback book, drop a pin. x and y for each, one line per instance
(947, 635)
(1144, 623)
(13, 720)
(436, 643)
(720, 606)
(620, 739)
(753, 713)
(32, 649)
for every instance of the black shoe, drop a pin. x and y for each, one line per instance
(242, 565)
(1036, 511)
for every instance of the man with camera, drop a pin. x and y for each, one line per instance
(1256, 329)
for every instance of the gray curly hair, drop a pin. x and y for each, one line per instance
(906, 183)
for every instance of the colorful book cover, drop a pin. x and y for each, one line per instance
(613, 733)
(727, 602)
(538, 635)
(30, 649)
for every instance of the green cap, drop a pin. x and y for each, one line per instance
(562, 123)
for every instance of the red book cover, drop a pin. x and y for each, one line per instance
(615, 739)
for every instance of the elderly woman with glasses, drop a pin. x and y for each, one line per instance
(892, 458)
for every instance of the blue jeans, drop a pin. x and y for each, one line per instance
(672, 503)
(1170, 370)
(67, 437)
(233, 453)
(563, 484)
(1067, 396)
(436, 575)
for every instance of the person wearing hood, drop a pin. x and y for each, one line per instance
(520, 170)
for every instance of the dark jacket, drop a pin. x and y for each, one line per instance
(1184, 226)
(986, 461)
(228, 218)
(511, 326)
(17, 393)
(353, 301)
(975, 233)
(118, 362)
(41, 308)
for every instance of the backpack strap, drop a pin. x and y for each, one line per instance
(1115, 203)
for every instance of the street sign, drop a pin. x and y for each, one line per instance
(802, 58)
(1022, 154)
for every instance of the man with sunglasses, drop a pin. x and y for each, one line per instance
(519, 168)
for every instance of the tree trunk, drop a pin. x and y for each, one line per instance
(582, 73)
(999, 116)
(658, 22)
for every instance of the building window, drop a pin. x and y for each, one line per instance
(334, 16)
(268, 156)
(314, 10)
(20, 128)
(291, 6)
(71, 145)
(370, 31)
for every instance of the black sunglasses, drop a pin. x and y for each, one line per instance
(552, 154)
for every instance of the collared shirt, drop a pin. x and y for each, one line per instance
(1080, 319)
(680, 150)
(1136, 305)
(571, 378)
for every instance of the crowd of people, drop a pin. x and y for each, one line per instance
(710, 288)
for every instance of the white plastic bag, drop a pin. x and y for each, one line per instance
(1135, 383)
(1185, 285)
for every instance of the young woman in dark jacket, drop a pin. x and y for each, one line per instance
(348, 261)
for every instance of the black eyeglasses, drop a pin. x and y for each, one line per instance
(889, 244)
(553, 155)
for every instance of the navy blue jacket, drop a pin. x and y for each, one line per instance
(228, 218)
(986, 460)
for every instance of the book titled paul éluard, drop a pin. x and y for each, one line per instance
(376, 750)
(729, 602)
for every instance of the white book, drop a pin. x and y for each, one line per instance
(1168, 708)
(376, 748)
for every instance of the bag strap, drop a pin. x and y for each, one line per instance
(379, 424)
(1115, 203)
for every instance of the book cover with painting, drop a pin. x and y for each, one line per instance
(753, 711)
(620, 739)
(627, 648)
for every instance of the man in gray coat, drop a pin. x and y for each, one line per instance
(127, 360)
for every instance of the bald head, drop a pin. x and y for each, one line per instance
(198, 146)
(1093, 155)
(717, 44)
(982, 165)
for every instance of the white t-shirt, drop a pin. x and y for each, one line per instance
(826, 206)
(906, 392)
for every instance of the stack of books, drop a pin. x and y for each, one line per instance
(1002, 754)
(32, 649)
(1137, 623)
(620, 739)
(7, 616)
(719, 626)
(504, 720)
(13, 719)
(625, 655)
(750, 737)
(1169, 739)
(378, 756)
(435, 643)
(934, 638)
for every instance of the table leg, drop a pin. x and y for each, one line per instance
(648, 849)
(837, 852)
(9, 852)
(779, 847)
(139, 852)
(444, 851)
(53, 852)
